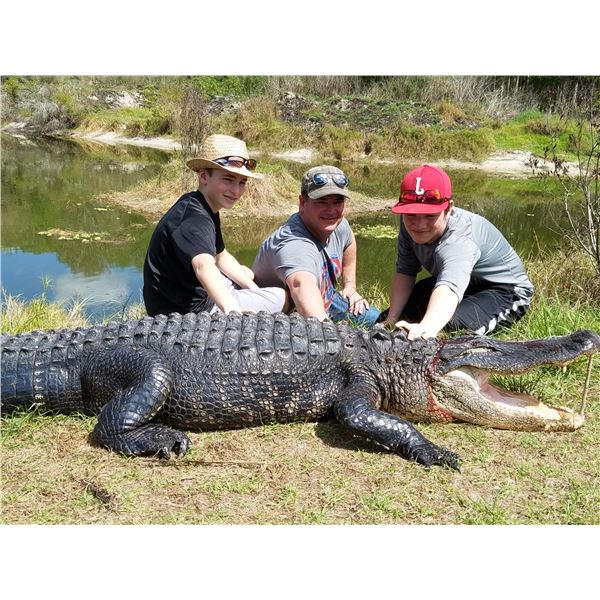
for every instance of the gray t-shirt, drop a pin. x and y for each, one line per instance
(470, 251)
(292, 248)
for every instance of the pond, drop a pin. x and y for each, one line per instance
(48, 190)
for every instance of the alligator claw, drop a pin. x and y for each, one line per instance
(450, 459)
(176, 442)
(164, 454)
(436, 455)
(182, 446)
(148, 440)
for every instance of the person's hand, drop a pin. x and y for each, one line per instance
(356, 303)
(415, 330)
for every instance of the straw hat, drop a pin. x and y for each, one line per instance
(220, 146)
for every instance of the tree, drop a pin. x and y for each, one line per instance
(579, 181)
(193, 120)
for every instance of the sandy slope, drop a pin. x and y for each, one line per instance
(508, 163)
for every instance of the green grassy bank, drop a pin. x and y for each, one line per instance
(342, 117)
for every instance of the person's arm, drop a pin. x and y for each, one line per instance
(357, 304)
(306, 295)
(230, 267)
(442, 305)
(402, 287)
(210, 278)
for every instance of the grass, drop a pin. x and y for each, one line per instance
(309, 473)
(275, 195)
(18, 315)
(132, 121)
(405, 140)
(532, 131)
(313, 473)
(395, 130)
(342, 139)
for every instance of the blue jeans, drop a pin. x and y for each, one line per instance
(338, 311)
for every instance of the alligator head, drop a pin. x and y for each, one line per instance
(457, 386)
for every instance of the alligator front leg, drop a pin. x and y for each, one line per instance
(132, 384)
(355, 411)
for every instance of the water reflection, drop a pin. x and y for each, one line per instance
(108, 292)
(50, 184)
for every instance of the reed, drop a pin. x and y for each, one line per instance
(18, 315)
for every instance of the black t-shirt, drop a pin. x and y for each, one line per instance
(187, 229)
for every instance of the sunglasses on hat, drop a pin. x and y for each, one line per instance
(320, 179)
(427, 197)
(237, 162)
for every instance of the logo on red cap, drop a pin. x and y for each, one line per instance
(419, 190)
(424, 190)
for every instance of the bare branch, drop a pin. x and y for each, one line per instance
(580, 193)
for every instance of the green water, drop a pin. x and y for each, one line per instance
(50, 184)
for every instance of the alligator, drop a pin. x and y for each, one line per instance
(148, 379)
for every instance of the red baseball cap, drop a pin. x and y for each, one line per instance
(425, 190)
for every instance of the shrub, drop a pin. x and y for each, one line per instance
(257, 122)
(160, 123)
(227, 85)
(48, 116)
(341, 142)
(11, 87)
(450, 113)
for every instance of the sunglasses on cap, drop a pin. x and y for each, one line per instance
(237, 162)
(320, 179)
(428, 197)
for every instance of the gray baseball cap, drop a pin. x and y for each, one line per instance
(324, 180)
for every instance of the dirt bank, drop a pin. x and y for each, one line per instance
(112, 139)
(507, 163)
(276, 195)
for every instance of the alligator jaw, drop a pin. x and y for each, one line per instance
(460, 388)
(467, 395)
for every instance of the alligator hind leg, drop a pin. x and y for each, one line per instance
(132, 385)
(355, 411)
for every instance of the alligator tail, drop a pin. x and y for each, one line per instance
(46, 378)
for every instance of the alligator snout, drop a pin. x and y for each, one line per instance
(462, 389)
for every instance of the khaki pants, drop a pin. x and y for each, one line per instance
(269, 299)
